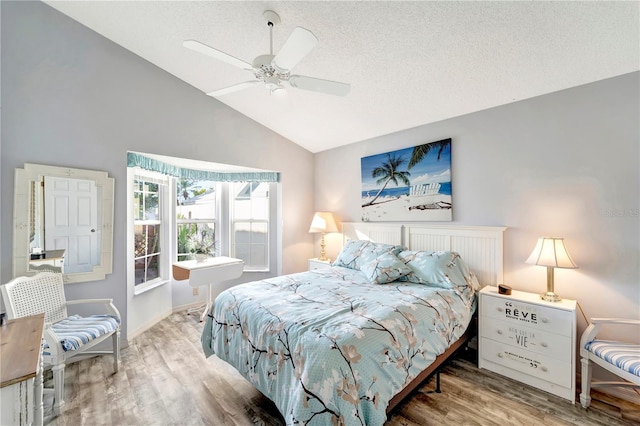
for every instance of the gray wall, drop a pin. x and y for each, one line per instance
(73, 98)
(563, 164)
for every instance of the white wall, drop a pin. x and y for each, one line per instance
(73, 98)
(563, 164)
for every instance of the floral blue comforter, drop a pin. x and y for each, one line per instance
(328, 346)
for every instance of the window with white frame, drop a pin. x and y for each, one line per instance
(250, 207)
(247, 212)
(196, 218)
(148, 195)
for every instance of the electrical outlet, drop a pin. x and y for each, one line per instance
(196, 291)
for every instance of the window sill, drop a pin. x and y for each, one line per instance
(143, 288)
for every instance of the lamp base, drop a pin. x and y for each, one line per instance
(323, 257)
(550, 296)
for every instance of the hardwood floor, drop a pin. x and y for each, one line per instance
(164, 379)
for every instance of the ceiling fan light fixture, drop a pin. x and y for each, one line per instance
(272, 83)
(279, 91)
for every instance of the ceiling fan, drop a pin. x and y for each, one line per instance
(274, 70)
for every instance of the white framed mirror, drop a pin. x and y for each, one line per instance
(63, 221)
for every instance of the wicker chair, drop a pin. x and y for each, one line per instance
(619, 358)
(65, 336)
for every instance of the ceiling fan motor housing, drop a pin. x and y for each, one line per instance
(263, 61)
(264, 70)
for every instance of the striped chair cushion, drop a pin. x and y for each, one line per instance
(75, 331)
(625, 356)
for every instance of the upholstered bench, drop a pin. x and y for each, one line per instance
(617, 357)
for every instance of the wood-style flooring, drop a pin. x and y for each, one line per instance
(164, 379)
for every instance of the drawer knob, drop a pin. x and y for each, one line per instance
(499, 331)
(500, 309)
(544, 345)
(500, 355)
(545, 320)
(545, 369)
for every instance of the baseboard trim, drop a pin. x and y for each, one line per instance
(132, 334)
(185, 307)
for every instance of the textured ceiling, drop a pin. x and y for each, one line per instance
(409, 63)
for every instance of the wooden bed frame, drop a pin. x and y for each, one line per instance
(481, 247)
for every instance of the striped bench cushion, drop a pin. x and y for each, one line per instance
(625, 356)
(75, 331)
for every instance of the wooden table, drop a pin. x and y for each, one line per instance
(214, 273)
(21, 370)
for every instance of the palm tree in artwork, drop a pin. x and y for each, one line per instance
(388, 172)
(421, 151)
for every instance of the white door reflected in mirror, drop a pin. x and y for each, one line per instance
(71, 221)
(63, 210)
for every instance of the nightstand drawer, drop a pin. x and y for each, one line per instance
(527, 362)
(530, 339)
(318, 264)
(534, 316)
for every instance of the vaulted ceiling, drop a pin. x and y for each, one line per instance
(408, 63)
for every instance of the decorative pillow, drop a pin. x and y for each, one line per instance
(356, 253)
(385, 268)
(444, 269)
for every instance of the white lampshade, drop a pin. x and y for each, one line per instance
(323, 222)
(550, 251)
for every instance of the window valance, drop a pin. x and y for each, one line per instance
(135, 159)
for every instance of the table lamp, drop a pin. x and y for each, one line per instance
(323, 222)
(550, 252)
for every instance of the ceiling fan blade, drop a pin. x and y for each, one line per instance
(233, 88)
(215, 53)
(297, 46)
(320, 85)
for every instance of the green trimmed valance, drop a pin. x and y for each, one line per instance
(135, 159)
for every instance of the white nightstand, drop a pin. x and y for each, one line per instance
(530, 340)
(318, 264)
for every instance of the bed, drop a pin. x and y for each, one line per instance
(345, 344)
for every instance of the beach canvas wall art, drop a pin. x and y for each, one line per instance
(411, 184)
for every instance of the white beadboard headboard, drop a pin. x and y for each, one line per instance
(481, 247)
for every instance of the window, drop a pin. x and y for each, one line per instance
(199, 229)
(176, 212)
(147, 224)
(148, 238)
(196, 218)
(250, 223)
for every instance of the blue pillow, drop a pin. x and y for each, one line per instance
(356, 253)
(444, 269)
(385, 268)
